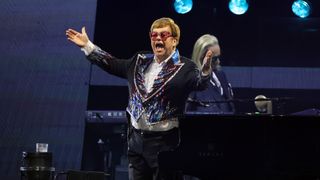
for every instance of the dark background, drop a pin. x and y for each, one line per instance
(269, 34)
(268, 50)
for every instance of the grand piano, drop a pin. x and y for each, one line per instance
(247, 147)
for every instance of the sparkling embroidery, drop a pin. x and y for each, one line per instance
(155, 105)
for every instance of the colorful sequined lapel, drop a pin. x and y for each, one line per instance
(170, 69)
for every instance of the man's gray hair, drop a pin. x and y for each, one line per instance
(201, 46)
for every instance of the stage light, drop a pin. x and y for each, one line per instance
(238, 7)
(183, 6)
(301, 8)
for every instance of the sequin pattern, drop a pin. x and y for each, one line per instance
(155, 104)
(100, 56)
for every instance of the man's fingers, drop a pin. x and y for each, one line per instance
(71, 36)
(70, 39)
(207, 57)
(83, 30)
(71, 31)
(209, 54)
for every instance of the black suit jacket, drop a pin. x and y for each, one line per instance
(221, 104)
(171, 88)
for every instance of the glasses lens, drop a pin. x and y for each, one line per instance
(215, 58)
(163, 35)
(153, 36)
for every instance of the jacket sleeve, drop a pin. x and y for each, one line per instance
(229, 92)
(190, 105)
(109, 63)
(198, 81)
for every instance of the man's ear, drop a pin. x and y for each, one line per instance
(175, 41)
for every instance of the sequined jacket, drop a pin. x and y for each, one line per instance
(171, 88)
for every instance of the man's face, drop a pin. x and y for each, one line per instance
(162, 42)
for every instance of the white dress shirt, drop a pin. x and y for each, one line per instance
(150, 75)
(216, 82)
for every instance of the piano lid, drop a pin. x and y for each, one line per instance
(254, 147)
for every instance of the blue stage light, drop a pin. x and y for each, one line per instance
(183, 6)
(238, 7)
(301, 8)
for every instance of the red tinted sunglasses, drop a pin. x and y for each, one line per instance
(163, 35)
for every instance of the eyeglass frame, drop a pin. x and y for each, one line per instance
(215, 58)
(164, 35)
